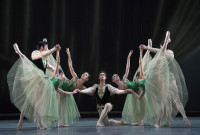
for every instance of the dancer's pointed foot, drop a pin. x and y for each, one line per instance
(19, 125)
(134, 124)
(65, 125)
(99, 124)
(124, 122)
(187, 122)
(15, 46)
(165, 125)
(156, 125)
(42, 128)
(60, 125)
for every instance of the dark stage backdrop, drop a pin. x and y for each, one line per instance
(100, 34)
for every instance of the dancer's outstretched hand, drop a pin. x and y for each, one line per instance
(75, 91)
(143, 47)
(127, 90)
(78, 91)
(130, 53)
(67, 50)
(57, 47)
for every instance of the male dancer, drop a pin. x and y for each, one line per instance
(102, 92)
(37, 56)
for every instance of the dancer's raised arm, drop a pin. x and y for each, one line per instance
(127, 65)
(149, 47)
(140, 63)
(57, 62)
(74, 75)
(37, 55)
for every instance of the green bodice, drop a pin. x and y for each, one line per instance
(62, 84)
(132, 85)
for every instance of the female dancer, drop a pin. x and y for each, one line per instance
(67, 108)
(32, 92)
(134, 109)
(166, 86)
(76, 82)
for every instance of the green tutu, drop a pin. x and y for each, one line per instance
(32, 92)
(67, 109)
(134, 109)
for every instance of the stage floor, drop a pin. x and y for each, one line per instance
(86, 126)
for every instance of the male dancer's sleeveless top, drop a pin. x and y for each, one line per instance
(135, 87)
(39, 64)
(104, 99)
(62, 84)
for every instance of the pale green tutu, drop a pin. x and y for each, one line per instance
(32, 92)
(67, 109)
(164, 82)
(134, 109)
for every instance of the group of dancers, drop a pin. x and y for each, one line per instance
(43, 94)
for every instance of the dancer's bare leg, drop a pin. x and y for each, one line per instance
(19, 125)
(104, 115)
(179, 105)
(161, 112)
(168, 109)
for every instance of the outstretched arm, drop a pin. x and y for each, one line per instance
(149, 47)
(127, 65)
(66, 92)
(37, 55)
(114, 90)
(74, 75)
(89, 91)
(140, 63)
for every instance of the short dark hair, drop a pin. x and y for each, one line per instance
(41, 43)
(103, 72)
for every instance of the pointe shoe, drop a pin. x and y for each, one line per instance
(187, 122)
(42, 128)
(134, 124)
(15, 46)
(141, 124)
(65, 125)
(156, 126)
(165, 125)
(124, 122)
(19, 126)
(60, 125)
(99, 125)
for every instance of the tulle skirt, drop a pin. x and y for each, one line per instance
(165, 85)
(134, 109)
(67, 109)
(32, 92)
